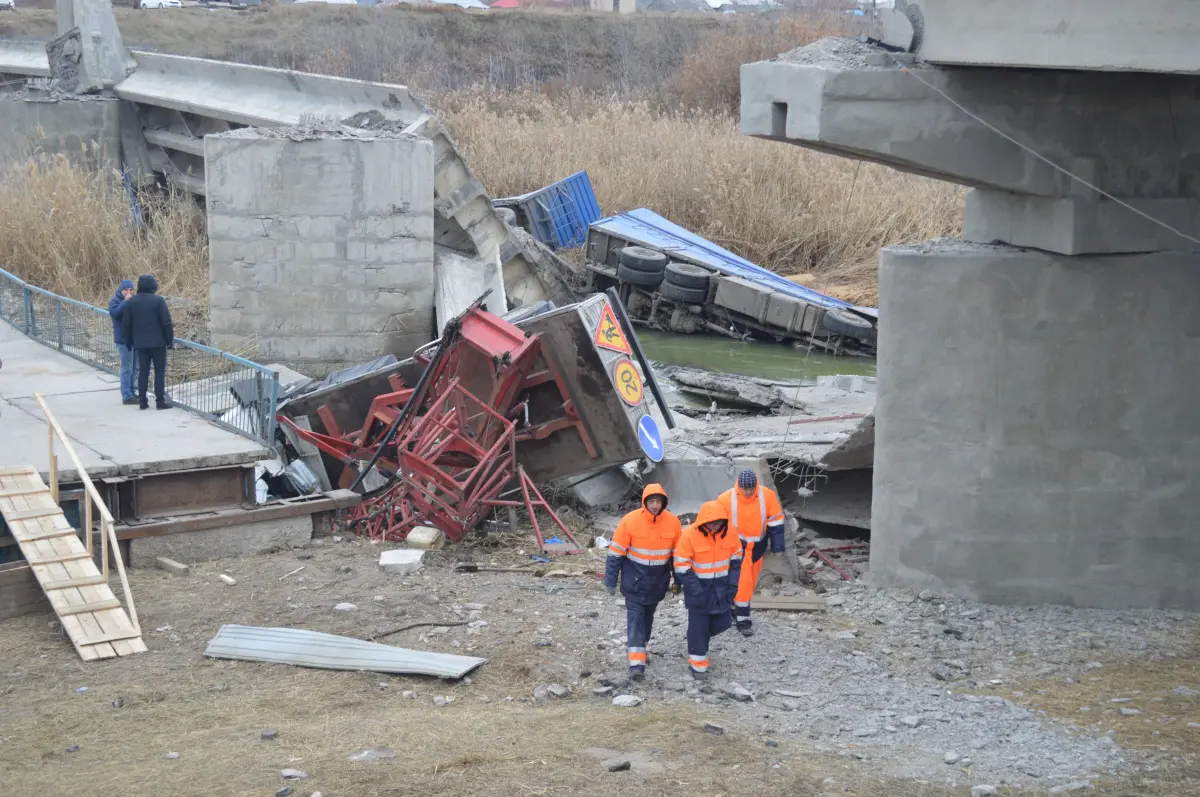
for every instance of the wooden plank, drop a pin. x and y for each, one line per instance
(171, 566)
(22, 537)
(96, 606)
(31, 514)
(81, 581)
(60, 558)
(19, 471)
(801, 603)
(15, 491)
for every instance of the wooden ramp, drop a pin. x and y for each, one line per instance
(77, 589)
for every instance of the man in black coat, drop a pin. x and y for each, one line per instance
(146, 322)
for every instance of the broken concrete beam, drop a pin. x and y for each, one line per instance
(171, 566)
(728, 388)
(460, 279)
(609, 488)
(401, 560)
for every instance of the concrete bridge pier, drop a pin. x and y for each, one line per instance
(1037, 437)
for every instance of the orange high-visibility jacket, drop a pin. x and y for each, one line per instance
(756, 519)
(708, 567)
(640, 551)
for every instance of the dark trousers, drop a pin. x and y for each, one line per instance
(158, 357)
(702, 628)
(639, 619)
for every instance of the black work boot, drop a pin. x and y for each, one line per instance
(745, 628)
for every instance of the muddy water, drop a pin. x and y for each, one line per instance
(764, 360)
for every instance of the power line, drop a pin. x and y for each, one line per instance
(1042, 157)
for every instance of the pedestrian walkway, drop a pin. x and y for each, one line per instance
(110, 438)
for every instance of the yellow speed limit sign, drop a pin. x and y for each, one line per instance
(628, 382)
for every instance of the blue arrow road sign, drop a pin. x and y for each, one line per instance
(650, 438)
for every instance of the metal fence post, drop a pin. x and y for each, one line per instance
(58, 307)
(272, 408)
(28, 297)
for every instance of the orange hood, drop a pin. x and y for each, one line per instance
(654, 489)
(710, 511)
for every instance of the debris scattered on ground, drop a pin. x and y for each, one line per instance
(617, 765)
(373, 754)
(626, 701)
(171, 566)
(401, 560)
(227, 579)
(270, 733)
(345, 607)
(303, 648)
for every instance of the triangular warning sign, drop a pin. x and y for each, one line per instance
(609, 335)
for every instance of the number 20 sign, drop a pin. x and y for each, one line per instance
(628, 382)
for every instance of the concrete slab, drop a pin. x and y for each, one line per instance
(1036, 433)
(1110, 35)
(110, 438)
(1124, 133)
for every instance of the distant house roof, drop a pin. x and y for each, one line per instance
(506, 4)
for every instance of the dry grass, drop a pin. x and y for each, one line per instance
(645, 104)
(786, 208)
(69, 229)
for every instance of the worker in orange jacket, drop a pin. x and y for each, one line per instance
(640, 554)
(757, 516)
(708, 560)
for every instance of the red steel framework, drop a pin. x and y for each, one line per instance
(450, 454)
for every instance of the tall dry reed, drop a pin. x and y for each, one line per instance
(68, 227)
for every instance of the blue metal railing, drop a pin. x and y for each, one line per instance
(231, 391)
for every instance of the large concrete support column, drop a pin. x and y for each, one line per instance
(320, 246)
(1037, 434)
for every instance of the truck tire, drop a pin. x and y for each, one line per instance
(643, 279)
(685, 275)
(682, 294)
(844, 322)
(640, 258)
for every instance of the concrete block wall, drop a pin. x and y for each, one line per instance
(320, 249)
(1037, 439)
(85, 129)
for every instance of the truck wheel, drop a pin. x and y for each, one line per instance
(640, 258)
(682, 294)
(643, 279)
(843, 322)
(685, 275)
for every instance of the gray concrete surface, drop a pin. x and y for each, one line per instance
(99, 58)
(245, 539)
(110, 438)
(1148, 36)
(1036, 433)
(1080, 225)
(1133, 135)
(85, 129)
(263, 97)
(23, 58)
(320, 249)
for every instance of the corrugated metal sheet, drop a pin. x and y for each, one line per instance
(303, 648)
(645, 227)
(561, 212)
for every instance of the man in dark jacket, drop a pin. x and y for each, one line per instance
(146, 322)
(116, 307)
(640, 556)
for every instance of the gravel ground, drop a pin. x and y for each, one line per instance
(912, 687)
(915, 685)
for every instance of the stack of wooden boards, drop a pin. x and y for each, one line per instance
(78, 592)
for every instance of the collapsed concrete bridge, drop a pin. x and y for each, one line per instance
(1035, 433)
(347, 216)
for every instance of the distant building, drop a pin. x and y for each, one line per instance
(619, 6)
